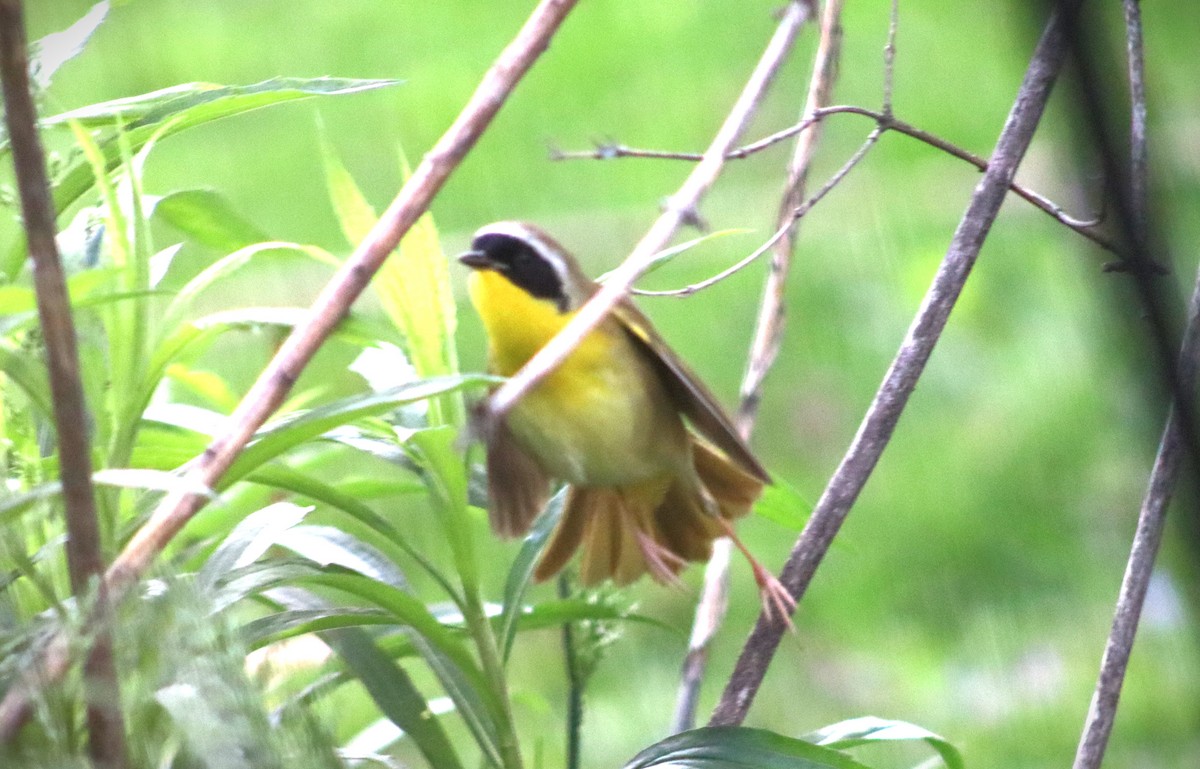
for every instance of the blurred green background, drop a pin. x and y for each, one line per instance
(971, 588)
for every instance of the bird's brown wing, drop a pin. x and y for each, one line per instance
(517, 487)
(693, 399)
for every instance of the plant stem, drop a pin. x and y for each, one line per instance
(574, 681)
(880, 420)
(85, 560)
(329, 309)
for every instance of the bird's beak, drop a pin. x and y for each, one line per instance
(476, 260)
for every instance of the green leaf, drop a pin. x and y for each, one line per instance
(413, 286)
(394, 692)
(467, 698)
(346, 500)
(168, 112)
(296, 622)
(867, 729)
(354, 213)
(435, 449)
(462, 685)
(126, 478)
(27, 372)
(296, 428)
(736, 747)
(250, 539)
(405, 609)
(257, 578)
(193, 104)
(228, 265)
(150, 480)
(521, 572)
(207, 217)
(325, 546)
(782, 503)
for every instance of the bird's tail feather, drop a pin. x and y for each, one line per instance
(656, 526)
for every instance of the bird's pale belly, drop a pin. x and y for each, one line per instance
(602, 426)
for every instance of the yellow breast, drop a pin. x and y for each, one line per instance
(603, 417)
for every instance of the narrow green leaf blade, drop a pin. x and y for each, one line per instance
(354, 213)
(296, 428)
(868, 729)
(394, 692)
(250, 539)
(413, 286)
(735, 747)
(192, 104)
(521, 572)
(207, 217)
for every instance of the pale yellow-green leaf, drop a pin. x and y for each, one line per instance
(354, 214)
(413, 285)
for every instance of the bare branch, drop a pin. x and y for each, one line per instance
(680, 210)
(1172, 449)
(327, 311)
(794, 216)
(1085, 227)
(85, 561)
(1172, 452)
(765, 345)
(889, 58)
(881, 418)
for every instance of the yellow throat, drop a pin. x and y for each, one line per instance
(519, 324)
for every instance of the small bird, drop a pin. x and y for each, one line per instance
(646, 492)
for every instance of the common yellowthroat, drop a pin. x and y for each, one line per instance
(646, 493)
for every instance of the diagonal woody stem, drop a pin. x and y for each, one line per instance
(763, 350)
(680, 209)
(881, 418)
(327, 311)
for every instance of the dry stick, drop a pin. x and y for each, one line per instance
(796, 215)
(1085, 227)
(1172, 449)
(85, 562)
(327, 311)
(680, 209)
(1172, 452)
(880, 420)
(763, 351)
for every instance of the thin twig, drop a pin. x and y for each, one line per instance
(1172, 450)
(575, 682)
(889, 58)
(1085, 227)
(327, 311)
(795, 215)
(881, 418)
(765, 345)
(1139, 161)
(680, 209)
(85, 560)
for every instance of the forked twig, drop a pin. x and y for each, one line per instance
(881, 418)
(888, 122)
(772, 242)
(327, 311)
(85, 560)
